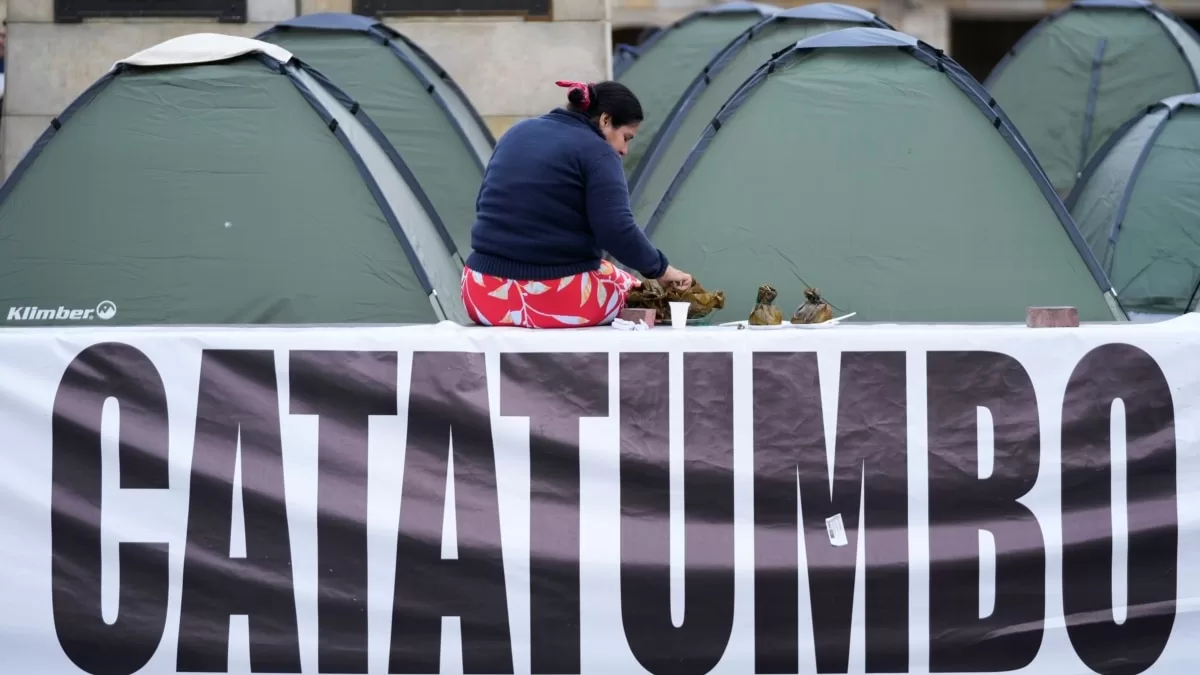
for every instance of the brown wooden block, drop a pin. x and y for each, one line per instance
(644, 315)
(1052, 317)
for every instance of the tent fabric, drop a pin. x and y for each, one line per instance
(883, 176)
(667, 62)
(221, 193)
(446, 88)
(713, 86)
(1138, 207)
(373, 68)
(1079, 73)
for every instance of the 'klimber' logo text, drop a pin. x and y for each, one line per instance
(104, 311)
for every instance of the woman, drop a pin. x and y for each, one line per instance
(554, 198)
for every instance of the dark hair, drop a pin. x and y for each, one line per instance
(609, 97)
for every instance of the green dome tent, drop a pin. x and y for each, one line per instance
(870, 165)
(1081, 72)
(214, 179)
(424, 115)
(667, 62)
(1138, 207)
(719, 79)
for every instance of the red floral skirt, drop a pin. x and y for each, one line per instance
(587, 299)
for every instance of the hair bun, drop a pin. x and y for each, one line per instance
(581, 94)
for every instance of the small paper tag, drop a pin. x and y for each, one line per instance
(836, 530)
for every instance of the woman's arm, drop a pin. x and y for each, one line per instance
(611, 217)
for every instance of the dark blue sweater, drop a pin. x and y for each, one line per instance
(554, 198)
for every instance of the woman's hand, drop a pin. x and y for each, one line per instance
(678, 279)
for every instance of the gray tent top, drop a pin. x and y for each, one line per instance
(1183, 99)
(631, 54)
(856, 37)
(860, 37)
(455, 101)
(821, 11)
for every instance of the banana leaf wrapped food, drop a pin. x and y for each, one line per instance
(653, 295)
(765, 312)
(814, 309)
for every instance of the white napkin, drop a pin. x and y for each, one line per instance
(622, 324)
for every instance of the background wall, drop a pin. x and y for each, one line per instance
(506, 65)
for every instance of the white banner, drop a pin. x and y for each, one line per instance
(969, 499)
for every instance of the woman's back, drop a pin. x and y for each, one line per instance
(532, 207)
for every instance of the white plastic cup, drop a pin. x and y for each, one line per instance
(679, 314)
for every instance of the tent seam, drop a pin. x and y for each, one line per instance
(1089, 111)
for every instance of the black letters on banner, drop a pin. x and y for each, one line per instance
(448, 416)
(554, 391)
(698, 643)
(344, 389)
(871, 463)
(99, 372)
(1119, 371)
(961, 504)
(237, 416)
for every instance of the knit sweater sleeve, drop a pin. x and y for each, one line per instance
(611, 217)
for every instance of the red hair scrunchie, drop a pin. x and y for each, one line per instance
(581, 86)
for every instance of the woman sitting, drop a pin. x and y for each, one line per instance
(554, 199)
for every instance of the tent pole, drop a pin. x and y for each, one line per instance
(1114, 305)
(1192, 305)
(1123, 205)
